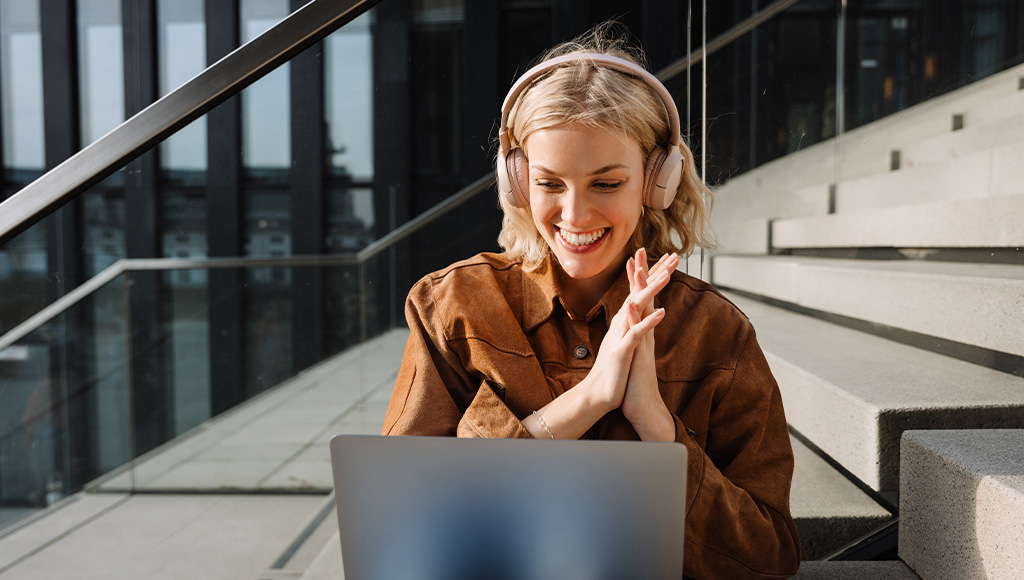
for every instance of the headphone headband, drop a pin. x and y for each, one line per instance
(663, 169)
(613, 62)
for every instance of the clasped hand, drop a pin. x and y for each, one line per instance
(625, 367)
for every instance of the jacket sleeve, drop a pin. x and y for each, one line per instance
(738, 522)
(434, 393)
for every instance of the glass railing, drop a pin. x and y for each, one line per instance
(96, 391)
(821, 68)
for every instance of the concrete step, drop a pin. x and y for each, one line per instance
(797, 184)
(994, 222)
(970, 139)
(975, 304)
(852, 394)
(892, 570)
(997, 108)
(962, 504)
(748, 233)
(990, 173)
(828, 509)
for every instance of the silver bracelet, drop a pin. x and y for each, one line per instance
(544, 424)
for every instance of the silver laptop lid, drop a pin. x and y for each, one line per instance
(443, 508)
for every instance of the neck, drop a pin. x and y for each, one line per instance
(581, 295)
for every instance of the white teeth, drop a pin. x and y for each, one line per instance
(583, 239)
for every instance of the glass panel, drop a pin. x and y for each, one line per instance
(186, 347)
(771, 92)
(100, 67)
(901, 54)
(23, 276)
(436, 78)
(348, 70)
(105, 223)
(182, 37)
(350, 219)
(266, 158)
(21, 93)
(66, 417)
(269, 324)
(266, 129)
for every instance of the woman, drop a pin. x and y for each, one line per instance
(572, 333)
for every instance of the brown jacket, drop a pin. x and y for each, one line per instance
(490, 343)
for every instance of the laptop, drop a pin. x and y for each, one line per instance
(428, 508)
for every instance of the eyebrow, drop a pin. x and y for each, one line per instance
(598, 171)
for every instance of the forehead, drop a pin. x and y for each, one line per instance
(580, 145)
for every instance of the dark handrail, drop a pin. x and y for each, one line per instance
(226, 77)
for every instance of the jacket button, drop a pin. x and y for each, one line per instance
(581, 352)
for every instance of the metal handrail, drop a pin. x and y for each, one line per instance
(226, 77)
(361, 257)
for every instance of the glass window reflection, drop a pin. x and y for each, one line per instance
(101, 67)
(21, 64)
(348, 60)
(266, 131)
(182, 37)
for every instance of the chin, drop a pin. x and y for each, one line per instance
(583, 268)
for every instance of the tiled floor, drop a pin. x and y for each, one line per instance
(205, 510)
(279, 441)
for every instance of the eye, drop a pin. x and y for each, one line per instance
(547, 185)
(607, 185)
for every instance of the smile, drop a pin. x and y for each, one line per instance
(583, 238)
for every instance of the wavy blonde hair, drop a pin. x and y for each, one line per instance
(580, 92)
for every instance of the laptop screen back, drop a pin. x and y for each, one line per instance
(444, 508)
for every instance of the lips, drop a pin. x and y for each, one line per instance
(581, 239)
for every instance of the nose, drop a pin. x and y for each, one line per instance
(575, 207)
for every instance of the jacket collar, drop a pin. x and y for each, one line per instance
(542, 296)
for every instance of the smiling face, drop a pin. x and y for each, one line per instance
(586, 185)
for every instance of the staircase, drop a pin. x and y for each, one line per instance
(888, 296)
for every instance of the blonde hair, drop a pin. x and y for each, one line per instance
(580, 92)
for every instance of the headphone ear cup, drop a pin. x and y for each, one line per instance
(651, 172)
(512, 177)
(519, 178)
(662, 175)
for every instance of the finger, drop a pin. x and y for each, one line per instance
(667, 261)
(638, 331)
(641, 261)
(631, 275)
(632, 313)
(655, 285)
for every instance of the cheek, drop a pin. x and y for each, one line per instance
(540, 211)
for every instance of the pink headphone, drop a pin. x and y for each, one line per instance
(664, 167)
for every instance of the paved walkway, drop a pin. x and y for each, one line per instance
(228, 500)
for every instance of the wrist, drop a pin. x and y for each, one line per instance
(599, 400)
(653, 422)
